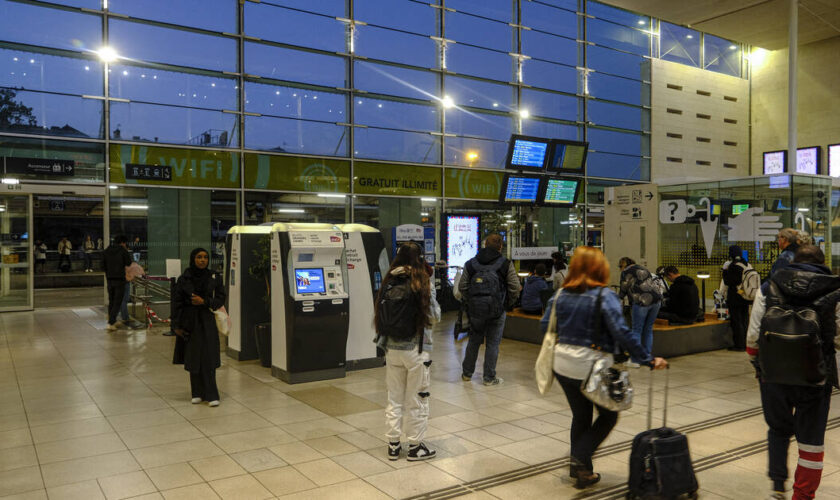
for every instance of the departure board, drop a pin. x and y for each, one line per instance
(568, 156)
(561, 192)
(527, 153)
(520, 189)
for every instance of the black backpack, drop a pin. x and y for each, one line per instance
(486, 293)
(398, 310)
(790, 346)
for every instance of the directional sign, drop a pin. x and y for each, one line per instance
(649, 196)
(43, 166)
(148, 172)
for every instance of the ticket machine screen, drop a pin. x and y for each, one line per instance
(310, 280)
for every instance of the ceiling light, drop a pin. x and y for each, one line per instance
(472, 156)
(524, 113)
(2, 209)
(134, 207)
(107, 54)
(733, 47)
(10, 180)
(424, 214)
(689, 36)
(447, 102)
(290, 211)
(804, 209)
(429, 200)
(509, 216)
(641, 22)
(590, 226)
(112, 187)
(330, 195)
(495, 104)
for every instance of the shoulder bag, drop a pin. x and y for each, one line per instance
(222, 320)
(544, 367)
(608, 383)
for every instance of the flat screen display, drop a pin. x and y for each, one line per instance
(561, 191)
(527, 153)
(461, 240)
(520, 189)
(780, 181)
(834, 160)
(739, 209)
(310, 280)
(808, 160)
(775, 162)
(568, 156)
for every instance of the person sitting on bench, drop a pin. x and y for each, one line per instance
(534, 285)
(683, 304)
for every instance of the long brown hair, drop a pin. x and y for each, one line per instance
(410, 257)
(588, 269)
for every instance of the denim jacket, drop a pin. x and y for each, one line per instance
(575, 322)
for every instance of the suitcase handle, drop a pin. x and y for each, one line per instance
(650, 400)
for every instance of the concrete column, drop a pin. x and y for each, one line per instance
(195, 223)
(162, 229)
(793, 47)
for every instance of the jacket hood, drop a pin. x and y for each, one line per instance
(683, 279)
(806, 281)
(487, 255)
(531, 279)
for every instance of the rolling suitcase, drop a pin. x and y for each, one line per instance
(660, 463)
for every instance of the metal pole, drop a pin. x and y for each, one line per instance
(793, 35)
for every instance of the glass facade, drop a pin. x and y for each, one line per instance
(244, 96)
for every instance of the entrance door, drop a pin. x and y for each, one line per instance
(15, 252)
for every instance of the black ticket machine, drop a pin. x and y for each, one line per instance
(310, 309)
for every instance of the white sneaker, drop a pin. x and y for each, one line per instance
(111, 327)
(213, 403)
(195, 401)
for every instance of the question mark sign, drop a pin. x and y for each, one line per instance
(673, 206)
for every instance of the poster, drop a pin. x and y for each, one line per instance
(461, 241)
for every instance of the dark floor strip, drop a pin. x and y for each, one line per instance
(551, 465)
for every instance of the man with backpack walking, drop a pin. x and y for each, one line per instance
(739, 285)
(791, 343)
(489, 284)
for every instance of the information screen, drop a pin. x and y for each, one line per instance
(568, 156)
(561, 192)
(774, 162)
(461, 241)
(781, 181)
(310, 280)
(834, 160)
(527, 152)
(808, 160)
(737, 209)
(520, 189)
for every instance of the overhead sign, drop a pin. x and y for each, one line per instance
(409, 232)
(316, 238)
(474, 184)
(39, 166)
(148, 172)
(532, 253)
(293, 173)
(189, 167)
(400, 180)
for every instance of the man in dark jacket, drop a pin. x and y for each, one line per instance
(683, 304)
(796, 410)
(739, 307)
(487, 326)
(787, 240)
(115, 259)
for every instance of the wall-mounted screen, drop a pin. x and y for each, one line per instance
(461, 240)
(739, 209)
(568, 156)
(775, 162)
(834, 160)
(561, 192)
(310, 280)
(780, 181)
(808, 160)
(527, 153)
(520, 189)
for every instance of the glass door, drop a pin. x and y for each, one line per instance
(15, 252)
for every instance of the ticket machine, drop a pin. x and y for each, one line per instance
(246, 293)
(310, 305)
(367, 264)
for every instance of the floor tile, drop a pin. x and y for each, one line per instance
(334, 401)
(127, 485)
(201, 491)
(71, 429)
(253, 439)
(217, 468)
(17, 457)
(243, 487)
(361, 464)
(318, 428)
(403, 483)
(80, 469)
(159, 434)
(297, 452)
(131, 421)
(331, 446)
(20, 480)
(350, 490)
(324, 472)
(68, 449)
(29, 495)
(85, 490)
(15, 438)
(258, 460)
(477, 465)
(226, 424)
(284, 480)
(173, 476)
(172, 453)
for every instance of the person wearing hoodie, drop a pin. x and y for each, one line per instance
(490, 284)
(534, 285)
(683, 304)
(788, 244)
(797, 410)
(115, 259)
(739, 307)
(407, 303)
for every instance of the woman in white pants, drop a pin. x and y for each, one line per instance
(405, 311)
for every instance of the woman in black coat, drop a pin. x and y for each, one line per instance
(197, 294)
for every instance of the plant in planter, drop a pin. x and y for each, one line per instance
(261, 269)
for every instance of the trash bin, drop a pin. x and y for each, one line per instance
(263, 334)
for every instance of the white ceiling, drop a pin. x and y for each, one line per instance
(762, 23)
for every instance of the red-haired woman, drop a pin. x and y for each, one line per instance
(579, 346)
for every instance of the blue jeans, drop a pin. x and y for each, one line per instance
(643, 318)
(491, 332)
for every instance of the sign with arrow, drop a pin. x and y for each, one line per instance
(39, 166)
(649, 196)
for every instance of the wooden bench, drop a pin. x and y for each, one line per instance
(668, 340)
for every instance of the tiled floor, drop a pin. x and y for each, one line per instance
(87, 414)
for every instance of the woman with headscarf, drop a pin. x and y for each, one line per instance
(733, 274)
(197, 294)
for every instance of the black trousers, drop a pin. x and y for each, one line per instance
(586, 435)
(116, 292)
(61, 258)
(739, 320)
(791, 410)
(203, 384)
